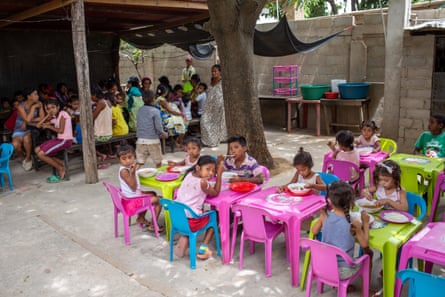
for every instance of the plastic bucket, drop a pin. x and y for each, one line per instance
(334, 84)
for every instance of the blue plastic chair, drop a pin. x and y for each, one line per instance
(422, 284)
(416, 205)
(179, 224)
(6, 152)
(327, 178)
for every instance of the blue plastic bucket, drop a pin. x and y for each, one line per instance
(353, 90)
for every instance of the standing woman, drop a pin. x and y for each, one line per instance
(213, 120)
(134, 101)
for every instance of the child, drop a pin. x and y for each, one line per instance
(186, 107)
(432, 143)
(345, 151)
(47, 151)
(201, 98)
(241, 163)
(131, 187)
(193, 191)
(148, 130)
(120, 126)
(303, 163)
(339, 229)
(193, 147)
(73, 109)
(388, 192)
(368, 137)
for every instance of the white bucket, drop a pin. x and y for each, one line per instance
(334, 84)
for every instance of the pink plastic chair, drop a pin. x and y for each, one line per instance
(324, 268)
(255, 229)
(117, 197)
(343, 170)
(266, 174)
(440, 188)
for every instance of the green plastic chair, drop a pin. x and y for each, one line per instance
(388, 145)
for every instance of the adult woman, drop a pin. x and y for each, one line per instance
(213, 121)
(29, 112)
(134, 101)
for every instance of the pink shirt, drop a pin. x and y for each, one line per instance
(351, 156)
(371, 142)
(67, 133)
(190, 193)
(188, 162)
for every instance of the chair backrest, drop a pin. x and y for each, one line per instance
(423, 284)
(253, 221)
(328, 179)
(178, 214)
(266, 174)
(416, 204)
(6, 152)
(115, 194)
(342, 169)
(388, 145)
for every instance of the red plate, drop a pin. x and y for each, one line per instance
(299, 193)
(242, 186)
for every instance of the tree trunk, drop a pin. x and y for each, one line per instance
(83, 84)
(232, 23)
(333, 7)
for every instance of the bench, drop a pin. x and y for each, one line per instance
(194, 127)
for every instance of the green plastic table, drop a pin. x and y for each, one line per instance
(413, 166)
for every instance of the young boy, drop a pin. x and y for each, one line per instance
(148, 130)
(201, 98)
(241, 163)
(431, 143)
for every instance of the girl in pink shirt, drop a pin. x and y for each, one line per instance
(58, 121)
(345, 150)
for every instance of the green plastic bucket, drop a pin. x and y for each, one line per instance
(314, 91)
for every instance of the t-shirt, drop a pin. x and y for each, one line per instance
(190, 193)
(120, 126)
(201, 99)
(429, 144)
(371, 142)
(149, 123)
(67, 134)
(249, 168)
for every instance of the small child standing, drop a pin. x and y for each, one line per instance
(368, 136)
(303, 163)
(431, 143)
(193, 191)
(245, 166)
(388, 192)
(61, 124)
(201, 98)
(131, 187)
(193, 147)
(345, 151)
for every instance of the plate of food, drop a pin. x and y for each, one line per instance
(364, 150)
(280, 198)
(146, 172)
(242, 186)
(167, 176)
(369, 206)
(227, 175)
(177, 169)
(396, 216)
(297, 189)
(358, 216)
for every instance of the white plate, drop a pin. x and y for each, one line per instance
(283, 199)
(358, 216)
(146, 172)
(363, 203)
(364, 150)
(180, 169)
(297, 188)
(227, 175)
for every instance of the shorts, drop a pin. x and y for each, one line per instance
(143, 151)
(131, 205)
(19, 133)
(53, 146)
(197, 224)
(102, 138)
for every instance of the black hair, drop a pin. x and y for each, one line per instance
(18, 93)
(52, 102)
(177, 88)
(237, 138)
(217, 66)
(27, 91)
(203, 160)
(194, 140)
(111, 83)
(60, 85)
(345, 138)
(124, 148)
(148, 96)
(204, 85)
(341, 195)
(164, 80)
(73, 98)
(96, 91)
(186, 99)
(440, 118)
(303, 158)
(195, 77)
(369, 123)
(161, 90)
(388, 168)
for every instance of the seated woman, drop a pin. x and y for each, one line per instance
(172, 118)
(29, 112)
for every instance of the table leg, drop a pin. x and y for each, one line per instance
(326, 120)
(361, 114)
(402, 265)
(294, 239)
(389, 260)
(289, 116)
(224, 230)
(304, 125)
(317, 110)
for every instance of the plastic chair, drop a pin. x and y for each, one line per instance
(324, 267)
(342, 169)
(266, 174)
(328, 179)
(422, 284)
(117, 197)
(438, 191)
(388, 145)
(255, 229)
(416, 205)
(6, 152)
(179, 224)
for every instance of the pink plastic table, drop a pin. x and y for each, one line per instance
(222, 203)
(291, 215)
(428, 245)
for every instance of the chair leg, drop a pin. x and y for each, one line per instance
(172, 235)
(155, 221)
(309, 284)
(252, 247)
(11, 186)
(241, 251)
(192, 247)
(126, 230)
(234, 233)
(2, 181)
(268, 258)
(116, 221)
(217, 240)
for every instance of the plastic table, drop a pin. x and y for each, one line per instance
(291, 215)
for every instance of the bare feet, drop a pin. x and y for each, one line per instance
(142, 221)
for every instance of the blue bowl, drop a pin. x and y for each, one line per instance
(353, 90)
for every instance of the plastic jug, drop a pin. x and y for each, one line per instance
(335, 83)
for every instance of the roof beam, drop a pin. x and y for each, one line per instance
(154, 3)
(32, 12)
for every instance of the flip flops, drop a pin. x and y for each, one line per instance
(204, 252)
(53, 179)
(151, 228)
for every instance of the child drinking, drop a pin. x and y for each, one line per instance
(201, 98)
(131, 187)
(193, 147)
(193, 191)
(345, 150)
(368, 136)
(60, 122)
(245, 166)
(388, 192)
(431, 143)
(304, 174)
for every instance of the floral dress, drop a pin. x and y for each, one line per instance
(173, 124)
(213, 119)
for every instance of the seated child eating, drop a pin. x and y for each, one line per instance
(193, 147)
(431, 143)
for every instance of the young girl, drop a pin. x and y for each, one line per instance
(303, 163)
(60, 122)
(338, 228)
(368, 137)
(193, 191)
(193, 147)
(131, 187)
(388, 192)
(345, 150)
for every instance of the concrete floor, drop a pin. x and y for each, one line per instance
(58, 240)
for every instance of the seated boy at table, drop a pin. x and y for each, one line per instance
(431, 143)
(239, 162)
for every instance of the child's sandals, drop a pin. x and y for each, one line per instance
(204, 252)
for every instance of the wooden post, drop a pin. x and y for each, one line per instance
(83, 85)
